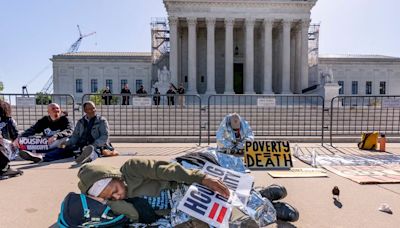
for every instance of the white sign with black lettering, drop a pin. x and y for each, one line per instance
(207, 206)
(141, 101)
(33, 143)
(26, 101)
(391, 103)
(266, 102)
(240, 183)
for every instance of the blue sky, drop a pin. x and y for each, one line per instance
(31, 31)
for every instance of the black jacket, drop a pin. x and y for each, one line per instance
(61, 128)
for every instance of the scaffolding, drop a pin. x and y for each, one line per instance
(159, 39)
(313, 54)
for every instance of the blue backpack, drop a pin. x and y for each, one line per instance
(77, 210)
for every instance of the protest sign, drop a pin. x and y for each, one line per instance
(33, 143)
(268, 155)
(205, 205)
(240, 183)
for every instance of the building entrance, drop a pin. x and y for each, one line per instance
(238, 78)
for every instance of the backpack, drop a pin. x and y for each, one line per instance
(369, 141)
(77, 210)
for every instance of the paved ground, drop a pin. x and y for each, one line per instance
(33, 200)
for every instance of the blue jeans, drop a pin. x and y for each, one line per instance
(56, 154)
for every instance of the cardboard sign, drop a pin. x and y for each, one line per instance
(266, 102)
(141, 101)
(268, 155)
(240, 183)
(26, 101)
(207, 206)
(33, 143)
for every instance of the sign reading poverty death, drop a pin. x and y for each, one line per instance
(33, 143)
(268, 155)
(206, 205)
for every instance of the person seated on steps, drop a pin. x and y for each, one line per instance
(8, 133)
(56, 127)
(232, 134)
(91, 136)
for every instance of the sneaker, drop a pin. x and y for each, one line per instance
(285, 212)
(274, 192)
(11, 172)
(31, 156)
(88, 154)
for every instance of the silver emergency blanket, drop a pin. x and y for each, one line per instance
(260, 209)
(225, 160)
(177, 216)
(10, 151)
(226, 139)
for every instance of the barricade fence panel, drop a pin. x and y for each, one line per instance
(352, 115)
(270, 115)
(27, 109)
(149, 115)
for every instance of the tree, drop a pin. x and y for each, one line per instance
(43, 98)
(97, 98)
(1, 86)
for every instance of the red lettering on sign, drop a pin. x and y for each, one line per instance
(221, 215)
(213, 211)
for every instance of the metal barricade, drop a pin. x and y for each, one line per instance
(271, 115)
(352, 115)
(150, 115)
(27, 109)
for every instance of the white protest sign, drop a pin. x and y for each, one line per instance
(141, 101)
(207, 206)
(391, 103)
(33, 143)
(266, 102)
(240, 183)
(26, 101)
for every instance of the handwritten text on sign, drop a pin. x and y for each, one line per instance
(268, 154)
(33, 143)
(205, 205)
(240, 183)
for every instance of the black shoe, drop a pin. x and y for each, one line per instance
(30, 156)
(274, 192)
(285, 212)
(85, 156)
(12, 173)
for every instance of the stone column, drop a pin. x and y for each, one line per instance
(298, 69)
(249, 58)
(229, 22)
(210, 55)
(173, 55)
(267, 89)
(304, 53)
(286, 57)
(192, 62)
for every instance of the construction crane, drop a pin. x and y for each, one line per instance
(74, 48)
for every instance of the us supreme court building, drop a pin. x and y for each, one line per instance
(231, 46)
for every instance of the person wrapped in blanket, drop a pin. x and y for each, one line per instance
(232, 134)
(8, 133)
(143, 190)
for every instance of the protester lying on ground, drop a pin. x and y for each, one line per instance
(56, 127)
(91, 136)
(9, 132)
(232, 134)
(130, 190)
(142, 189)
